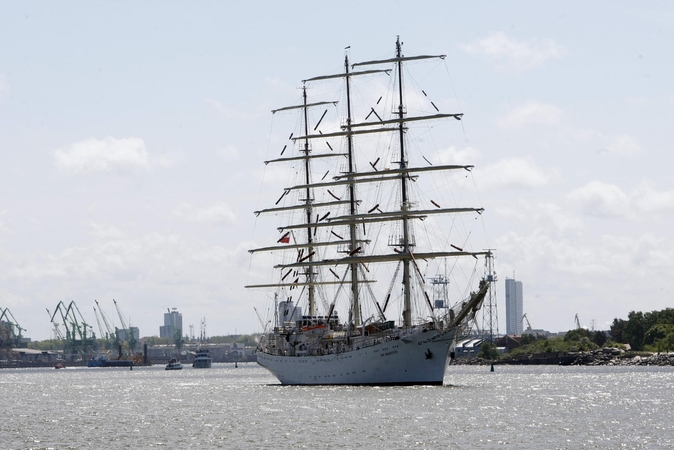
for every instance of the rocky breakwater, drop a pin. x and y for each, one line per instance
(599, 357)
(618, 357)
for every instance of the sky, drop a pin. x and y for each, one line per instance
(132, 136)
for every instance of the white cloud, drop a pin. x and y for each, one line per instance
(508, 53)
(4, 87)
(168, 159)
(546, 217)
(233, 112)
(228, 153)
(606, 200)
(601, 199)
(4, 230)
(452, 155)
(103, 155)
(531, 113)
(622, 145)
(106, 257)
(219, 212)
(650, 200)
(222, 108)
(540, 252)
(515, 173)
(609, 256)
(105, 232)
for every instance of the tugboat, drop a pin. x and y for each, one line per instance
(202, 360)
(174, 364)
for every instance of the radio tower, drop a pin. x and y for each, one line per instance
(489, 311)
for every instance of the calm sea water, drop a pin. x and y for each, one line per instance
(535, 407)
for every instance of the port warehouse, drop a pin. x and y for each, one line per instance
(158, 354)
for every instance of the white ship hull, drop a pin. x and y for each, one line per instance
(411, 360)
(202, 363)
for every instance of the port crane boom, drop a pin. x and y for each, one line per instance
(130, 338)
(105, 319)
(13, 324)
(57, 330)
(526, 319)
(100, 327)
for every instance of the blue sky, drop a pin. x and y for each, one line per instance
(132, 135)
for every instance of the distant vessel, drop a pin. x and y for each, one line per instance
(202, 360)
(174, 364)
(350, 216)
(102, 360)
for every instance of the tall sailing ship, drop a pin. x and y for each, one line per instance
(360, 232)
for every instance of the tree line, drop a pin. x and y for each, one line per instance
(652, 331)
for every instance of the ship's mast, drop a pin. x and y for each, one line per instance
(309, 211)
(404, 244)
(404, 206)
(352, 198)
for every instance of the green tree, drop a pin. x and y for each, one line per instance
(599, 338)
(666, 344)
(527, 339)
(635, 329)
(656, 332)
(666, 316)
(577, 334)
(617, 328)
(585, 344)
(488, 351)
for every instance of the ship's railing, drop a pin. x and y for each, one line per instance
(276, 345)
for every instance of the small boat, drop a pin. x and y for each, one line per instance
(59, 366)
(202, 360)
(174, 364)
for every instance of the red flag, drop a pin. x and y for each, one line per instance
(285, 240)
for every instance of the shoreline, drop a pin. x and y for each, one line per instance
(599, 357)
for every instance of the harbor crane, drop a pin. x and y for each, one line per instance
(128, 332)
(12, 327)
(526, 319)
(113, 338)
(262, 324)
(100, 327)
(57, 330)
(78, 335)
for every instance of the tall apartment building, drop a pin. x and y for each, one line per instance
(173, 320)
(514, 306)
